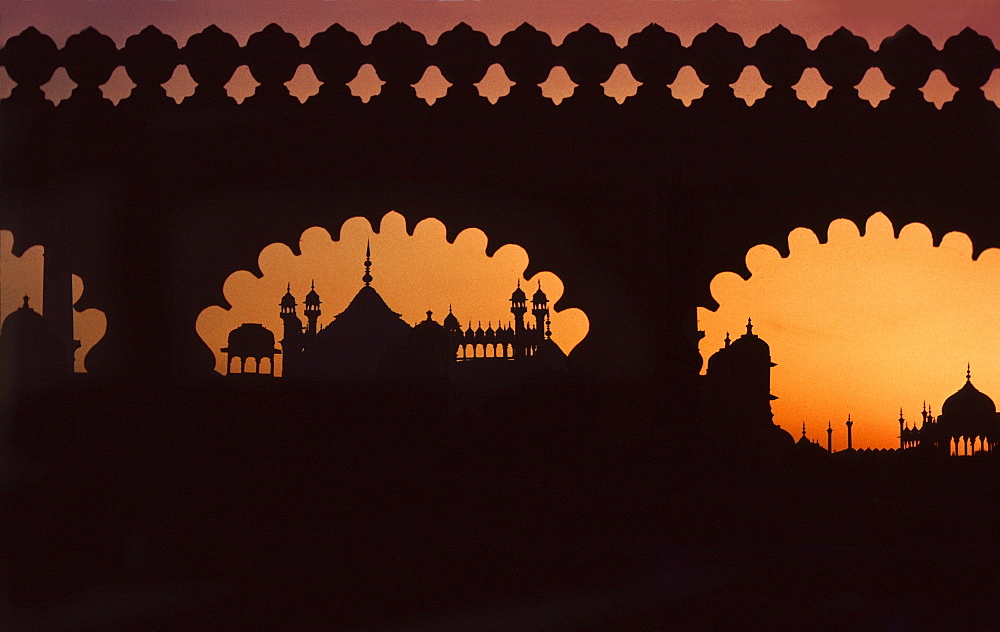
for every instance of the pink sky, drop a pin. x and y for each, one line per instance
(873, 19)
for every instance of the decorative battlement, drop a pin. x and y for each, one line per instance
(401, 55)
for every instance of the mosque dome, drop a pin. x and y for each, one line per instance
(968, 406)
(30, 349)
(750, 344)
(27, 331)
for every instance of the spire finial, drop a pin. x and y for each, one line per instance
(519, 284)
(727, 339)
(803, 428)
(968, 372)
(749, 327)
(367, 278)
(548, 328)
(449, 308)
(289, 288)
(313, 284)
(25, 306)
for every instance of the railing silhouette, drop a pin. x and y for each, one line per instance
(400, 57)
(636, 205)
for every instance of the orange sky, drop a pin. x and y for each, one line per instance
(412, 273)
(923, 312)
(865, 325)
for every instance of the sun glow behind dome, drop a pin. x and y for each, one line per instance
(865, 324)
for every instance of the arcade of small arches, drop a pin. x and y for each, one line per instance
(250, 344)
(967, 417)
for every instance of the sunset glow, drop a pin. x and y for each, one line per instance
(413, 274)
(22, 276)
(865, 325)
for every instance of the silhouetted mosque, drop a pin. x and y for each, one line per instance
(736, 394)
(967, 416)
(31, 354)
(369, 340)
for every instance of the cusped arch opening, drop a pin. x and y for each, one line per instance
(864, 323)
(418, 288)
(22, 299)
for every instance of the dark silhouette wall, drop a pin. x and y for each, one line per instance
(637, 206)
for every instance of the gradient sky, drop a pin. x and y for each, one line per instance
(412, 273)
(938, 315)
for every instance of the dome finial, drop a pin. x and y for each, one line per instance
(25, 306)
(548, 328)
(367, 278)
(749, 327)
(803, 429)
(727, 339)
(968, 372)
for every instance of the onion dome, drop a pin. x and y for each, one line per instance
(480, 334)
(251, 340)
(968, 408)
(288, 300)
(450, 322)
(518, 295)
(490, 335)
(470, 335)
(750, 345)
(24, 329)
(29, 350)
(312, 298)
(539, 296)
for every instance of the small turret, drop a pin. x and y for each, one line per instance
(540, 308)
(312, 310)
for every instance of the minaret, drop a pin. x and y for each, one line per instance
(312, 310)
(901, 443)
(291, 343)
(829, 437)
(540, 308)
(849, 424)
(518, 307)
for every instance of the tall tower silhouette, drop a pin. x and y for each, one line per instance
(518, 307)
(540, 308)
(829, 437)
(849, 424)
(291, 342)
(312, 310)
(901, 423)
